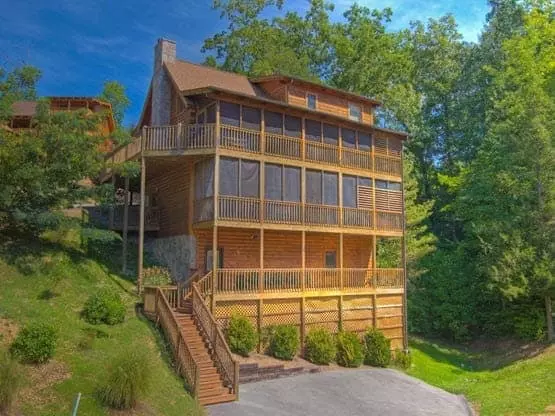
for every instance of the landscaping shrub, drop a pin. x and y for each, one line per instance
(377, 348)
(402, 359)
(349, 350)
(127, 381)
(99, 243)
(36, 343)
(241, 335)
(10, 382)
(284, 342)
(104, 307)
(320, 347)
(157, 276)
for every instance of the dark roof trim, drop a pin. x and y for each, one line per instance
(284, 78)
(207, 90)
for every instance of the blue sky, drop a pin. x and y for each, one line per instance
(80, 44)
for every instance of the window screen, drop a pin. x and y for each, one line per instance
(229, 176)
(364, 141)
(331, 134)
(229, 113)
(330, 196)
(211, 114)
(292, 126)
(249, 178)
(292, 184)
(365, 182)
(313, 187)
(349, 137)
(273, 122)
(204, 179)
(251, 118)
(394, 186)
(272, 185)
(313, 130)
(349, 191)
(331, 259)
(381, 184)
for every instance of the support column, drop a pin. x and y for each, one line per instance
(404, 265)
(303, 260)
(261, 271)
(112, 203)
(341, 260)
(125, 226)
(215, 257)
(141, 227)
(374, 260)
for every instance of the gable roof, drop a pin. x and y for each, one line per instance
(189, 76)
(24, 108)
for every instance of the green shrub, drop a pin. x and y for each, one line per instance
(128, 380)
(241, 335)
(36, 343)
(284, 342)
(157, 276)
(100, 243)
(349, 350)
(402, 359)
(320, 347)
(377, 348)
(104, 307)
(11, 379)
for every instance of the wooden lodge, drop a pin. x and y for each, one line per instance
(278, 190)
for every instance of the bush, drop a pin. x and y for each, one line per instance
(10, 381)
(241, 335)
(349, 350)
(99, 243)
(402, 359)
(128, 379)
(284, 342)
(377, 348)
(104, 307)
(320, 347)
(157, 276)
(36, 343)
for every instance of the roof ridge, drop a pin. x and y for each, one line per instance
(212, 68)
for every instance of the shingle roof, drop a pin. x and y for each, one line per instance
(24, 108)
(190, 76)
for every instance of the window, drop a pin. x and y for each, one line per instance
(392, 186)
(355, 112)
(282, 183)
(230, 113)
(331, 259)
(356, 139)
(273, 122)
(321, 188)
(357, 192)
(311, 101)
(313, 130)
(250, 118)
(331, 134)
(239, 177)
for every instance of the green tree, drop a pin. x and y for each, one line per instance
(15, 85)
(114, 93)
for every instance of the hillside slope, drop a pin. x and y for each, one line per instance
(50, 280)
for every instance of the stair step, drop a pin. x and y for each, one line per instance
(212, 391)
(223, 398)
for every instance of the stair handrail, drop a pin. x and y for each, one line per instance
(205, 284)
(185, 288)
(228, 366)
(186, 363)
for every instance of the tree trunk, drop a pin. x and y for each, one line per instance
(549, 318)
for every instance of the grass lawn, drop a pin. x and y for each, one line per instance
(524, 387)
(50, 280)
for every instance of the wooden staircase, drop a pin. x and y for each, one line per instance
(211, 389)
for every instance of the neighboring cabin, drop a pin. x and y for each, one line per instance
(271, 192)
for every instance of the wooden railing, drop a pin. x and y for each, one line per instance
(186, 364)
(234, 208)
(238, 208)
(236, 138)
(227, 366)
(249, 281)
(283, 212)
(203, 136)
(279, 145)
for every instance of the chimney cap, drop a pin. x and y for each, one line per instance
(162, 39)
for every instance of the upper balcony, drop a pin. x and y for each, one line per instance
(182, 139)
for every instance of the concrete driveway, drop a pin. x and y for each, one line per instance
(343, 392)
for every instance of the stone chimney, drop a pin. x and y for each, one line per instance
(164, 51)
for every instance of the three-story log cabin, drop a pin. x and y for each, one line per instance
(272, 192)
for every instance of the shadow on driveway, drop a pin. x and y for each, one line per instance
(344, 392)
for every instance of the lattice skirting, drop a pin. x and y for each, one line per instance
(354, 313)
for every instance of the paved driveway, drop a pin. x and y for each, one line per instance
(343, 392)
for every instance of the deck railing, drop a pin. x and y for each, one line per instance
(251, 281)
(186, 364)
(226, 364)
(181, 137)
(242, 209)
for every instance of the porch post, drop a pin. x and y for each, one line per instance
(125, 226)
(113, 203)
(261, 271)
(303, 260)
(404, 264)
(215, 256)
(217, 132)
(341, 261)
(214, 267)
(141, 227)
